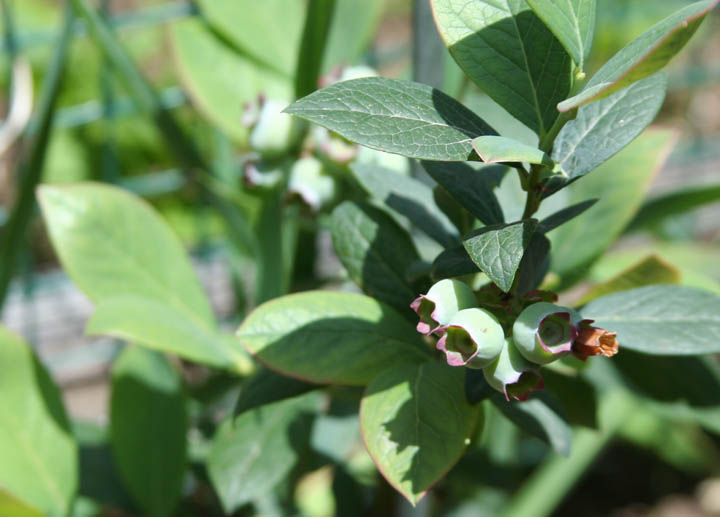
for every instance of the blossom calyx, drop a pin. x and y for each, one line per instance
(544, 332)
(512, 375)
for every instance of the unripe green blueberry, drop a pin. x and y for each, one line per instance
(274, 133)
(544, 332)
(444, 299)
(308, 180)
(473, 338)
(512, 375)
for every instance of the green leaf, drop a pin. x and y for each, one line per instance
(453, 262)
(210, 71)
(578, 397)
(112, 243)
(497, 250)
(643, 56)
(416, 425)
(10, 505)
(534, 264)
(539, 416)
(266, 387)
(572, 22)
(620, 184)
(477, 388)
(395, 116)
(148, 425)
(330, 337)
(563, 216)
(409, 197)
(649, 271)
(499, 149)
(471, 187)
(661, 319)
(510, 54)
(269, 32)
(162, 327)
(38, 456)
(674, 203)
(376, 252)
(251, 454)
(605, 127)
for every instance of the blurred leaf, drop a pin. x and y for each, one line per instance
(268, 31)
(563, 216)
(409, 197)
(266, 387)
(539, 416)
(664, 380)
(330, 337)
(684, 447)
(220, 80)
(416, 424)
(13, 506)
(605, 127)
(376, 252)
(649, 271)
(38, 455)
(644, 56)
(500, 149)
(499, 44)
(353, 29)
(112, 243)
(477, 388)
(148, 425)
(251, 454)
(674, 203)
(572, 22)
(497, 250)
(395, 116)
(660, 319)
(695, 261)
(620, 184)
(473, 188)
(160, 326)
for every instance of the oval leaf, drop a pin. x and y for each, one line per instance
(416, 424)
(112, 243)
(395, 116)
(254, 452)
(605, 127)
(643, 56)
(572, 22)
(376, 252)
(510, 54)
(148, 425)
(498, 250)
(160, 326)
(661, 319)
(219, 79)
(330, 337)
(38, 455)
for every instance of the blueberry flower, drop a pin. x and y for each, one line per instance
(545, 332)
(512, 375)
(444, 299)
(473, 338)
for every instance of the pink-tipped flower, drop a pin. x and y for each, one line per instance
(444, 299)
(473, 338)
(512, 375)
(545, 332)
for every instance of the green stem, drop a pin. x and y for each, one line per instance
(318, 21)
